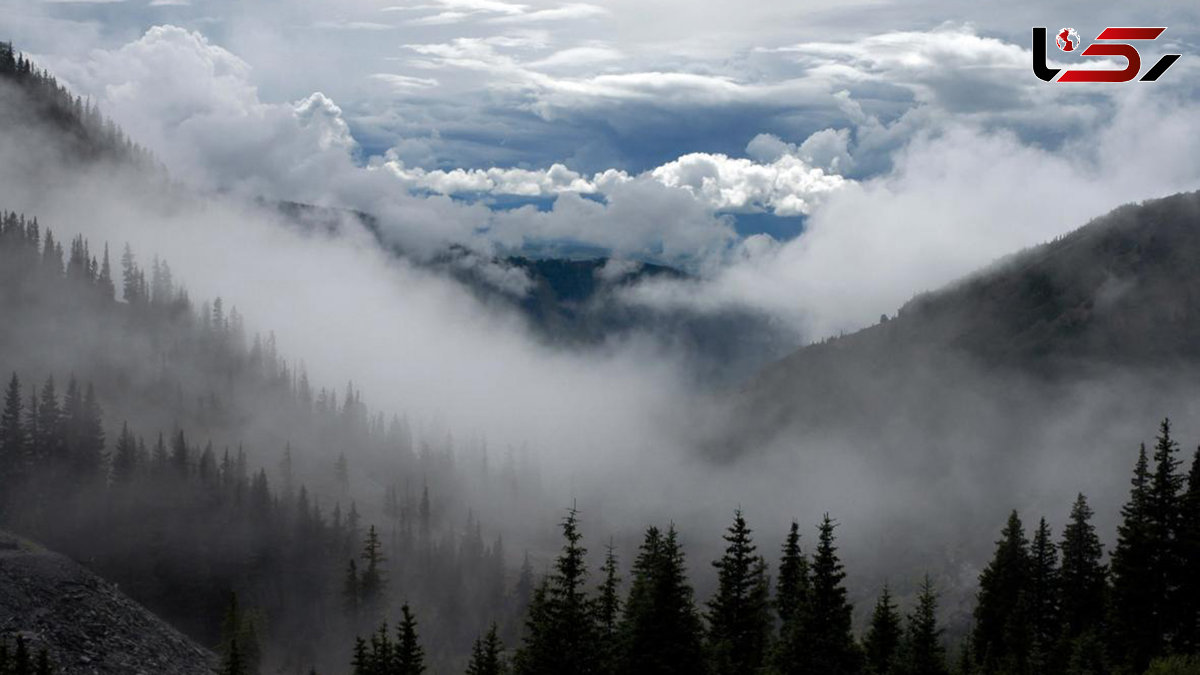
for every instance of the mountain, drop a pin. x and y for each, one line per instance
(578, 302)
(85, 624)
(1117, 296)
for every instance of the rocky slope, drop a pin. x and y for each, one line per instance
(86, 624)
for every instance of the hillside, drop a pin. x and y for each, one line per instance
(85, 624)
(1119, 295)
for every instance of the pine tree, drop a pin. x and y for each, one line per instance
(608, 611)
(739, 615)
(409, 657)
(362, 659)
(564, 639)
(12, 439)
(231, 663)
(1043, 606)
(1082, 575)
(661, 631)
(1136, 636)
(487, 655)
(351, 591)
(90, 455)
(882, 643)
(831, 648)
(239, 640)
(922, 649)
(48, 433)
(792, 589)
(1001, 639)
(1188, 640)
(371, 583)
(125, 457)
(180, 461)
(1165, 509)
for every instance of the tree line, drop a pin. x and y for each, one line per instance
(1043, 605)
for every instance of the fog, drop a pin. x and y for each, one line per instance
(622, 429)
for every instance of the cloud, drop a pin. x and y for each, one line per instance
(788, 186)
(566, 12)
(402, 82)
(495, 11)
(955, 200)
(353, 25)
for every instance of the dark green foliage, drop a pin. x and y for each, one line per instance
(827, 643)
(487, 655)
(1189, 551)
(1081, 595)
(1001, 636)
(1043, 590)
(13, 461)
(1165, 513)
(85, 133)
(561, 633)
(739, 616)
(408, 655)
(240, 635)
(882, 644)
(608, 612)
(371, 584)
(792, 587)
(661, 631)
(1174, 665)
(1135, 609)
(20, 662)
(923, 653)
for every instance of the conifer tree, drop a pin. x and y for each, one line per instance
(882, 643)
(125, 457)
(1082, 574)
(561, 635)
(408, 657)
(1134, 616)
(739, 616)
(351, 591)
(239, 639)
(1043, 587)
(12, 439)
(831, 648)
(48, 438)
(608, 611)
(1001, 636)
(1188, 640)
(1165, 510)
(792, 588)
(371, 583)
(661, 631)
(179, 455)
(89, 451)
(487, 656)
(923, 651)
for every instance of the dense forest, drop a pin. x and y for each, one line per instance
(295, 530)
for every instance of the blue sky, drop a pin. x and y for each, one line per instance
(908, 138)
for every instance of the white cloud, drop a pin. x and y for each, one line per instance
(404, 81)
(567, 12)
(788, 186)
(353, 25)
(955, 201)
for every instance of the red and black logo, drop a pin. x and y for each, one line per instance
(1067, 40)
